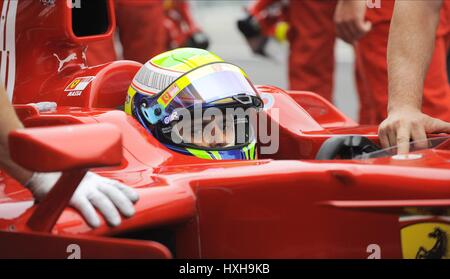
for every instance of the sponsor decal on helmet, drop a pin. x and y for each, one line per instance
(152, 80)
(168, 96)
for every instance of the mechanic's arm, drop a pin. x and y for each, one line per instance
(349, 18)
(9, 122)
(410, 49)
(107, 195)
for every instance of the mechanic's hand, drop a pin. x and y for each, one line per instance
(409, 123)
(105, 194)
(349, 18)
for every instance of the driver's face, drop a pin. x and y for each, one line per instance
(211, 133)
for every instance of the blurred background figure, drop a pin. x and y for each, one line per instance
(309, 26)
(352, 25)
(312, 41)
(146, 28)
(140, 29)
(181, 28)
(140, 32)
(264, 20)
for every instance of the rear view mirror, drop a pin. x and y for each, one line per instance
(72, 149)
(63, 148)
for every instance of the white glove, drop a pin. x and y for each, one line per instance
(44, 106)
(105, 194)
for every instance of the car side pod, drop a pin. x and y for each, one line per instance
(72, 149)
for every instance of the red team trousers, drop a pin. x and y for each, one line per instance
(141, 28)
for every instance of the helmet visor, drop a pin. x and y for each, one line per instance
(217, 84)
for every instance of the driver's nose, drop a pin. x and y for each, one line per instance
(218, 137)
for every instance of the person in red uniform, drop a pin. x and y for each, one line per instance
(181, 27)
(417, 96)
(368, 30)
(352, 25)
(141, 32)
(261, 22)
(312, 38)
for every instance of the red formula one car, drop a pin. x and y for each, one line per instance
(327, 192)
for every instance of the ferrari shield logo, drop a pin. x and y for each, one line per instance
(78, 85)
(168, 96)
(165, 98)
(426, 240)
(74, 84)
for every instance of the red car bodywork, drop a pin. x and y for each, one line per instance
(284, 205)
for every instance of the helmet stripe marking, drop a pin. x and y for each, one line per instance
(199, 153)
(165, 69)
(185, 80)
(216, 154)
(141, 89)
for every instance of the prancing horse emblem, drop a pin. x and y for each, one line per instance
(439, 249)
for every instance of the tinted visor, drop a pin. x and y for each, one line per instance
(217, 84)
